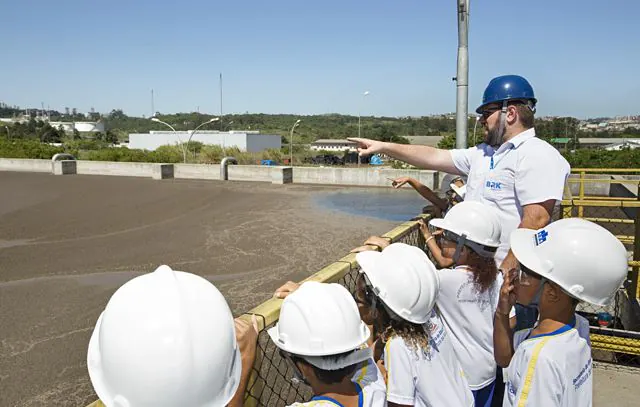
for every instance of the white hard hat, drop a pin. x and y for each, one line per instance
(404, 279)
(319, 319)
(478, 222)
(583, 258)
(165, 338)
(461, 191)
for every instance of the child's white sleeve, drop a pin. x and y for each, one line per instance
(543, 384)
(401, 386)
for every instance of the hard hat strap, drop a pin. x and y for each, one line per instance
(536, 298)
(298, 377)
(459, 245)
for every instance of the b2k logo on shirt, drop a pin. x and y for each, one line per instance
(494, 185)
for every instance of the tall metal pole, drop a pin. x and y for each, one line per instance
(291, 142)
(462, 76)
(220, 97)
(153, 108)
(186, 149)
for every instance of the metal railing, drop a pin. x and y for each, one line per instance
(614, 329)
(270, 383)
(612, 340)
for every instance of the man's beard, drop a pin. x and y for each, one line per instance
(494, 136)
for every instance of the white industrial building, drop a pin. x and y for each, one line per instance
(68, 127)
(249, 141)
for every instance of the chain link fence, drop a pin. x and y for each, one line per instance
(611, 334)
(271, 384)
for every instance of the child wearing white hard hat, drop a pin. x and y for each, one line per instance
(568, 261)
(168, 338)
(322, 336)
(397, 291)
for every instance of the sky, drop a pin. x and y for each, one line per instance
(315, 57)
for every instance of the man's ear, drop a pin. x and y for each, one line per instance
(512, 114)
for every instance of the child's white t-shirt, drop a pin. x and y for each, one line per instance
(550, 370)
(468, 316)
(370, 380)
(581, 325)
(426, 378)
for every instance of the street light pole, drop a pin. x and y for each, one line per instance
(215, 119)
(291, 142)
(184, 153)
(462, 75)
(364, 95)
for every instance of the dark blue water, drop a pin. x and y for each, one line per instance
(386, 204)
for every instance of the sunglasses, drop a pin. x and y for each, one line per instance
(489, 111)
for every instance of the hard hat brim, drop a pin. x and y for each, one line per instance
(461, 191)
(274, 334)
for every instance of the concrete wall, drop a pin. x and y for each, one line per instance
(365, 176)
(627, 190)
(196, 171)
(114, 168)
(590, 188)
(251, 172)
(25, 165)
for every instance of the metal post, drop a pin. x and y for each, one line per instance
(186, 148)
(462, 75)
(583, 175)
(359, 136)
(635, 273)
(291, 142)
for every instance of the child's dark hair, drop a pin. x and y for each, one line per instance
(331, 376)
(414, 335)
(484, 270)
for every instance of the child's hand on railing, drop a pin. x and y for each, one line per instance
(373, 243)
(286, 289)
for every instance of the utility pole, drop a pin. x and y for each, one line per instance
(462, 78)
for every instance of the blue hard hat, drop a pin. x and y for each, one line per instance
(507, 87)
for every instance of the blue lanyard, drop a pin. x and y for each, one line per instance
(491, 165)
(337, 403)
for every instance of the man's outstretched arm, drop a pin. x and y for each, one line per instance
(426, 157)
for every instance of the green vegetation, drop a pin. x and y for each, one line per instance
(625, 158)
(33, 138)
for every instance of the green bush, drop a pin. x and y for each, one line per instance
(85, 144)
(28, 149)
(626, 158)
(124, 154)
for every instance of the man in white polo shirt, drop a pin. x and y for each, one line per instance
(519, 174)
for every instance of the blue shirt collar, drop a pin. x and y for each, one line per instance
(558, 331)
(337, 403)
